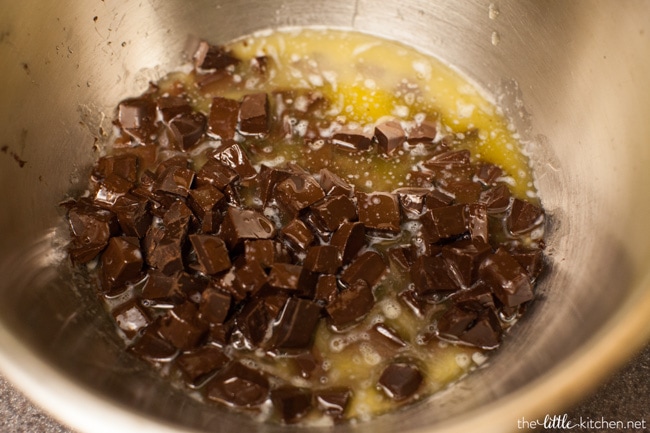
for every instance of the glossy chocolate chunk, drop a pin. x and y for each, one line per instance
(379, 211)
(133, 215)
(284, 276)
(131, 318)
(217, 174)
(266, 252)
(509, 281)
(531, 259)
(349, 239)
(464, 257)
(171, 106)
(296, 324)
(425, 132)
(334, 211)
(297, 235)
(401, 256)
(449, 159)
(431, 275)
(447, 222)
(524, 217)
(332, 184)
(90, 228)
(436, 198)
(352, 138)
(175, 180)
(326, 288)
(476, 298)
(205, 199)
(485, 332)
(464, 191)
(254, 114)
(153, 348)
(187, 129)
(291, 403)
(164, 250)
(455, 321)
(121, 263)
(333, 401)
(419, 179)
(238, 385)
(369, 267)
(125, 166)
(390, 136)
(181, 326)
(400, 380)
(111, 189)
(235, 158)
(351, 304)
(269, 177)
(496, 199)
(488, 174)
(412, 200)
(323, 259)
(250, 278)
(385, 339)
(199, 363)
(214, 305)
(223, 117)
(211, 253)
(298, 192)
(161, 290)
(241, 224)
(137, 116)
(209, 56)
(477, 222)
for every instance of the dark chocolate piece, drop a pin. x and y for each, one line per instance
(385, 339)
(111, 189)
(464, 257)
(496, 199)
(249, 279)
(449, 159)
(254, 321)
(334, 211)
(401, 256)
(431, 276)
(488, 174)
(181, 326)
(379, 211)
(161, 290)
(131, 318)
(368, 267)
(333, 401)
(121, 263)
(326, 288)
(298, 192)
(524, 217)
(351, 304)
(235, 158)
(532, 260)
(151, 347)
(455, 321)
(217, 174)
(133, 215)
(477, 221)
(137, 117)
(333, 184)
(125, 166)
(425, 132)
(436, 198)
(509, 281)
(296, 324)
(238, 385)
(254, 114)
(485, 332)
(204, 200)
(447, 222)
(323, 258)
(200, 363)
(266, 252)
(90, 228)
(241, 224)
(269, 178)
(175, 180)
(297, 235)
(352, 138)
(419, 179)
(172, 106)
(214, 305)
(464, 191)
(284, 276)
(400, 380)
(291, 403)
(187, 129)
(389, 135)
(209, 56)
(211, 253)
(412, 200)
(222, 121)
(349, 239)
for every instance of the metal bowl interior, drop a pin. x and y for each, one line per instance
(572, 77)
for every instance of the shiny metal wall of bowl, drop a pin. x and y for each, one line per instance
(572, 77)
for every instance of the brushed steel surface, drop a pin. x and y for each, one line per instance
(572, 76)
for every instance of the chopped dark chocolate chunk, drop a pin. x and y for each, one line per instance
(531, 259)
(121, 263)
(485, 332)
(133, 215)
(423, 133)
(464, 191)
(401, 256)
(131, 318)
(284, 276)
(235, 158)
(509, 281)
(496, 199)
(488, 174)
(291, 402)
(254, 114)
(172, 106)
(297, 235)
(111, 189)
(385, 339)
(239, 225)
(349, 239)
(91, 228)
(400, 380)
(477, 216)
(214, 305)
(447, 222)
(333, 401)
(334, 211)
(296, 324)
(266, 252)
(175, 180)
(249, 278)
(125, 166)
(222, 121)
(449, 159)
(217, 174)
(455, 321)
(369, 267)
(211, 253)
(326, 288)
(161, 290)
(419, 179)
(524, 217)
(333, 184)
(431, 275)
(436, 198)
(238, 385)
(205, 199)
(213, 57)
(412, 200)
(181, 326)
(352, 138)
(253, 321)
(389, 135)
(323, 258)
(153, 348)
(137, 117)
(200, 363)
(187, 129)
(298, 192)
(351, 304)
(465, 256)
(379, 211)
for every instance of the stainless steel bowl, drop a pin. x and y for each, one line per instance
(573, 77)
